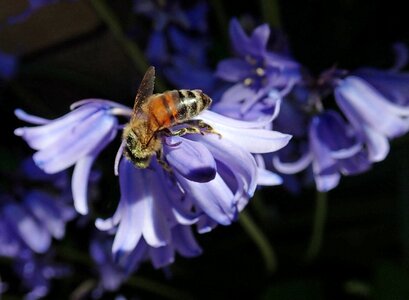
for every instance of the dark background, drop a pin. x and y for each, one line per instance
(67, 54)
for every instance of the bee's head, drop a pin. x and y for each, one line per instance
(131, 140)
(133, 150)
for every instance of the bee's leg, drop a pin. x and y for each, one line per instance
(182, 131)
(203, 127)
(162, 162)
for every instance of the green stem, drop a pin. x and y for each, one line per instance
(130, 48)
(318, 226)
(270, 10)
(260, 240)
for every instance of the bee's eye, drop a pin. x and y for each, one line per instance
(129, 141)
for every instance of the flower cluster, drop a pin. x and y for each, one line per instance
(275, 122)
(212, 179)
(29, 219)
(371, 108)
(178, 43)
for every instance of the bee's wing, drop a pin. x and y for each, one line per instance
(145, 89)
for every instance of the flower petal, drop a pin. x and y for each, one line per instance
(81, 141)
(237, 93)
(210, 116)
(22, 115)
(30, 231)
(362, 103)
(133, 195)
(184, 241)
(292, 167)
(156, 231)
(377, 145)
(233, 70)
(213, 197)
(260, 36)
(41, 137)
(43, 208)
(268, 178)
(326, 183)
(252, 140)
(80, 176)
(191, 159)
(162, 256)
(239, 39)
(241, 163)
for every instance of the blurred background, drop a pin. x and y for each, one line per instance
(53, 53)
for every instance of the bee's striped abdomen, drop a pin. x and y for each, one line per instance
(175, 107)
(191, 103)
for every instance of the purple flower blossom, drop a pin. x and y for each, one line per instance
(324, 144)
(74, 139)
(37, 272)
(377, 105)
(166, 13)
(213, 177)
(27, 226)
(111, 274)
(33, 223)
(256, 72)
(185, 67)
(335, 150)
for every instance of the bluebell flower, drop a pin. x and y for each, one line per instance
(28, 221)
(74, 139)
(324, 141)
(36, 273)
(162, 13)
(10, 244)
(188, 66)
(327, 143)
(376, 103)
(174, 28)
(256, 73)
(215, 176)
(335, 150)
(111, 275)
(33, 223)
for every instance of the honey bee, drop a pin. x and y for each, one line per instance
(154, 114)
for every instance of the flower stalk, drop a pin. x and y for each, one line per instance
(129, 47)
(318, 226)
(261, 241)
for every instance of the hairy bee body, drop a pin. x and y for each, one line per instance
(143, 134)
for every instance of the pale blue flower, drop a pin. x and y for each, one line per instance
(74, 139)
(376, 103)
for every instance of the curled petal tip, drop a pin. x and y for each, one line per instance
(19, 131)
